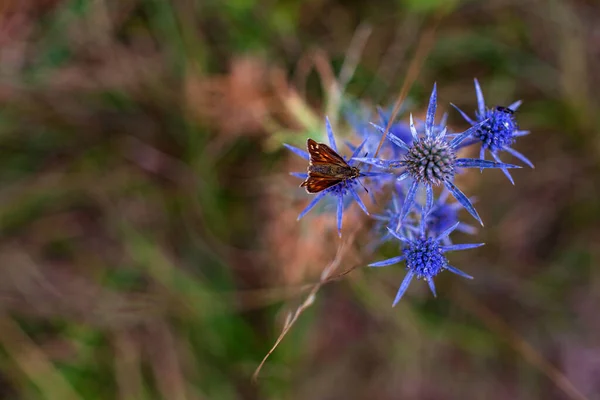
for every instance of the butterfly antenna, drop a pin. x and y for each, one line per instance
(361, 163)
(361, 184)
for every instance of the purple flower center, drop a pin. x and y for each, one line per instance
(425, 258)
(497, 133)
(430, 161)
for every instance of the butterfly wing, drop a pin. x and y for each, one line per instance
(314, 184)
(320, 153)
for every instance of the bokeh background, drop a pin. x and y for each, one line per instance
(149, 247)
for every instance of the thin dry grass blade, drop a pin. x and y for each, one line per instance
(425, 43)
(293, 317)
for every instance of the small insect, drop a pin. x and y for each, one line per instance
(326, 169)
(505, 110)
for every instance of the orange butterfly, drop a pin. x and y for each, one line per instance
(326, 168)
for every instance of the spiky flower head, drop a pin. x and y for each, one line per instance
(498, 131)
(424, 256)
(431, 160)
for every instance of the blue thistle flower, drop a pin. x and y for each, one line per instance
(498, 133)
(340, 191)
(424, 257)
(431, 160)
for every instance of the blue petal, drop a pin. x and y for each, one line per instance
(431, 112)
(374, 174)
(383, 218)
(330, 135)
(412, 229)
(429, 201)
(514, 106)
(358, 149)
(403, 176)
(465, 143)
(520, 133)
(466, 228)
(442, 132)
(447, 232)
(396, 202)
(423, 223)
(378, 127)
(444, 119)
(480, 99)
(313, 203)
(463, 246)
(504, 170)
(397, 141)
(340, 214)
(432, 286)
(403, 287)
(382, 115)
(458, 271)
(519, 156)
(302, 175)
(299, 152)
(458, 139)
(464, 115)
(408, 202)
(358, 199)
(389, 261)
(393, 138)
(462, 199)
(478, 163)
(378, 162)
(413, 130)
(397, 236)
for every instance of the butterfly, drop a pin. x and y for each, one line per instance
(326, 168)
